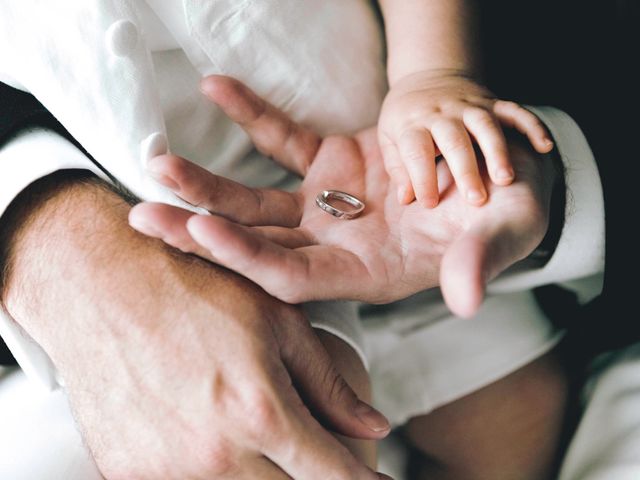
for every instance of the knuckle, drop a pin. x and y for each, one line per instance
(422, 185)
(396, 171)
(203, 194)
(261, 209)
(481, 118)
(456, 143)
(414, 155)
(535, 122)
(337, 387)
(263, 413)
(509, 105)
(218, 458)
(469, 177)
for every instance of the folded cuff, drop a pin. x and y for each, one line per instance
(31, 155)
(578, 260)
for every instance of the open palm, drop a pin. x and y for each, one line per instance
(297, 252)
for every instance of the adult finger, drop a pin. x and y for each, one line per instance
(310, 452)
(516, 116)
(488, 133)
(272, 132)
(285, 236)
(224, 197)
(324, 391)
(304, 274)
(456, 147)
(396, 169)
(169, 223)
(302, 447)
(418, 156)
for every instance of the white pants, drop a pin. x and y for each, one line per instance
(607, 443)
(38, 439)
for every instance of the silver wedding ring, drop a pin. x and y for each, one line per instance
(324, 197)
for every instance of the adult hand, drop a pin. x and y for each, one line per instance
(175, 368)
(298, 252)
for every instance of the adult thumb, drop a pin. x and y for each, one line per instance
(323, 389)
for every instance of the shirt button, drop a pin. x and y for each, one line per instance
(152, 146)
(122, 38)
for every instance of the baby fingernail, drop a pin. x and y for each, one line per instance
(474, 195)
(402, 194)
(504, 174)
(371, 417)
(430, 202)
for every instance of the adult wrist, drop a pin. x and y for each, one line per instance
(24, 208)
(80, 278)
(66, 243)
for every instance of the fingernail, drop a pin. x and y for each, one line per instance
(548, 143)
(474, 195)
(430, 202)
(371, 417)
(144, 227)
(504, 174)
(162, 179)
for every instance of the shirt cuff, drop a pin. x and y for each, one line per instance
(578, 260)
(31, 155)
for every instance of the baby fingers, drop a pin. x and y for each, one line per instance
(486, 130)
(515, 116)
(417, 152)
(455, 144)
(396, 170)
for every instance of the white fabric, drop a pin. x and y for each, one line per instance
(606, 445)
(38, 438)
(32, 155)
(578, 260)
(422, 357)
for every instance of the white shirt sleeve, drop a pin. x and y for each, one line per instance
(578, 260)
(31, 155)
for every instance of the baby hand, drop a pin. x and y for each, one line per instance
(426, 114)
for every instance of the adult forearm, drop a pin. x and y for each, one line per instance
(436, 35)
(71, 264)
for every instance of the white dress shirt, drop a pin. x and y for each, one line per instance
(123, 78)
